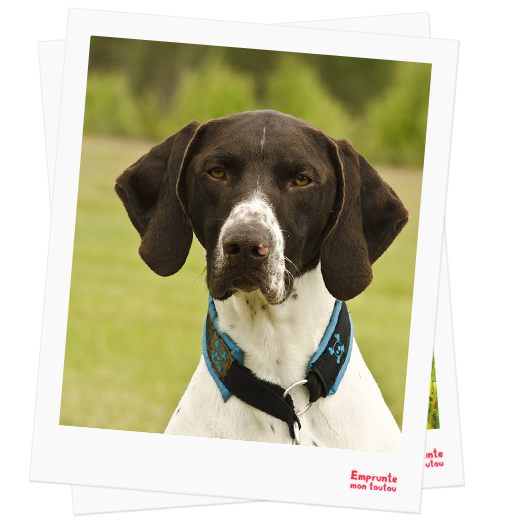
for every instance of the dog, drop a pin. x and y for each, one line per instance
(291, 221)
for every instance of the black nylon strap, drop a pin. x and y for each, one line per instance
(261, 394)
(266, 396)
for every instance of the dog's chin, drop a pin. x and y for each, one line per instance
(221, 289)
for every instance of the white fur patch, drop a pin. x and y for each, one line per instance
(257, 210)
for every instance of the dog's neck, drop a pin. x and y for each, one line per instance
(279, 341)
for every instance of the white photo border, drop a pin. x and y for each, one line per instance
(107, 458)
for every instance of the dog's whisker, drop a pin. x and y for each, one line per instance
(292, 263)
(199, 276)
(297, 272)
(291, 277)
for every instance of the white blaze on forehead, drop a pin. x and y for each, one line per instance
(256, 209)
(263, 139)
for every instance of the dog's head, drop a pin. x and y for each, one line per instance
(269, 197)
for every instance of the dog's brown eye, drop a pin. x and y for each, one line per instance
(217, 173)
(301, 180)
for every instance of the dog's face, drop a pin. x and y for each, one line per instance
(268, 196)
(259, 189)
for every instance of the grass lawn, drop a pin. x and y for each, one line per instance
(134, 338)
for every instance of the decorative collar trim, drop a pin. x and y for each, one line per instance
(326, 368)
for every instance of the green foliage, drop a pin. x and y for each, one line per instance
(210, 91)
(295, 89)
(150, 89)
(110, 107)
(353, 81)
(433, 417)
(396, 123)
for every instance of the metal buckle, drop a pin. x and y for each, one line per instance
(296, 428)
(302, 382)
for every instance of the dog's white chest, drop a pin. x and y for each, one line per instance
(355, 417)
(279, 350)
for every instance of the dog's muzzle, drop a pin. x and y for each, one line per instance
(249, 253)
(246, 251)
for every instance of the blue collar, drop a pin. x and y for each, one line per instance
(326, 368)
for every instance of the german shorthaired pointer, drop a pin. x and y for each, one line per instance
(291, 221)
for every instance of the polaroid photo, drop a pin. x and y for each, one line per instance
(443, 457)
(104, 442)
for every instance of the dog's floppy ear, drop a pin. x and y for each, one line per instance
(148, 192)
(368, 217)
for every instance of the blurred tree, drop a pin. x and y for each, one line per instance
(109, 95)
(159, 66)
(258, 63)
(149, 66)
(150, 88)
(399, 117)
(212, 90)
(288, 91)
(354, 81)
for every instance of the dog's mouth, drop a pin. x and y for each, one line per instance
(248, 254)
(223, 285)
(245, 284)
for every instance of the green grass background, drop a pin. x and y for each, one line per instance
(134, 338)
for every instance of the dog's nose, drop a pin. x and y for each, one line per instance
(246, 243)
